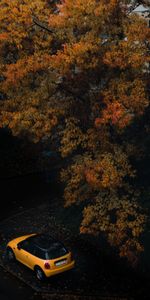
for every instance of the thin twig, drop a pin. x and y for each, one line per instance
(41, 25)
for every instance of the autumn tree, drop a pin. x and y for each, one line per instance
(78, 69)
(25, 58)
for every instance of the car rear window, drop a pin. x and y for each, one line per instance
(56, 250)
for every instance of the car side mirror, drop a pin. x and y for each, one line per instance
(18, 246)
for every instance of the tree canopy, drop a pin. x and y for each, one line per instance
(79, 69)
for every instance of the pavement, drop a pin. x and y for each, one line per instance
(94, 277)
(30, 207)
(12, 288)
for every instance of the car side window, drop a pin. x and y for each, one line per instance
(39, 253)
(26, 245)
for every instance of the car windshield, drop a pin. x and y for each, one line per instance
(56, 250)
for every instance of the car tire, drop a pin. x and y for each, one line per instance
(10, 254)
(39, 273)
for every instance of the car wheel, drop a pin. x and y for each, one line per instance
(39, 273)
(10, 254)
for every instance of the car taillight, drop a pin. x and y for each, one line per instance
(47, 265)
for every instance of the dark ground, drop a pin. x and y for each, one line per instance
(97, 272)
(11, 288)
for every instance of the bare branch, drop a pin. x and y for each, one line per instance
(41, 25)
(135, 4)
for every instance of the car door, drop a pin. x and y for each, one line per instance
(24, 253)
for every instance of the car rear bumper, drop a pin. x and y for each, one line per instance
(58, 270)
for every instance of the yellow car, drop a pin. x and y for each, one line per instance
(41, 253)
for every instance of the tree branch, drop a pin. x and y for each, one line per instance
(41, 25)
(135, 4)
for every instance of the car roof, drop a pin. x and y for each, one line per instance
(43, 241)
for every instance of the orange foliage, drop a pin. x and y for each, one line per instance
(16, 72)
(85, 78)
